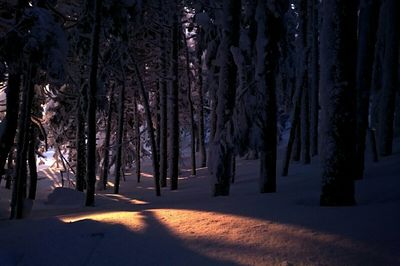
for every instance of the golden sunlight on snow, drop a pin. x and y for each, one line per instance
(249, 241)
(133, 221)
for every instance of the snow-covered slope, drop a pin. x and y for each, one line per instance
(188, 227)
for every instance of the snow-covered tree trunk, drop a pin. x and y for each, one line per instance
(106, 160)
(81, 140)
(173, 105)
(269, 33)
(221, 150)
(92, 107)
(338, 95)
(367, 30)
(191, 109)
(390, 18)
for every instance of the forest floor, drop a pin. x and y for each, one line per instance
(189, 227)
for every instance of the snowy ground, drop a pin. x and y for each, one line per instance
(188, 227)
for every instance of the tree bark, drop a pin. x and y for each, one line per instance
(106, 162)
(389, 16)
(367, 30)
(120, 134)
(314, 79)
(32, 164)
(91, 113)
(202, 146)
(174, 105)
(338, 95)
(221, 149)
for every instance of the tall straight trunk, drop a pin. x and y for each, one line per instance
(221, 148)
(120, 134)
(314, 79)
(80, 144)
(91, 112)
(338, 95)
(137, 138)
(106, 162)
(367, 29)
(20, 179)
(174, 105)
(158, 117)
(269, 32)
(390, 68)
(33, 177)
(154, 155)
(163, 115)
(302, 77)
(191, 109)
(202, 146)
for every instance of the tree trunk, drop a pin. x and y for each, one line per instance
(91, 113)
(32, 164)
(120, 134)
(174, 105)
(191, 110)
(389, 16)
(367, 29)
(80, 143)
(106, 162)
(8, 126)
(137, 138)
(338, 95)
(150, 128)
(10, 167)
(202, 146)
(221, 148)
(268, 38)
(163, 115)
(314, 79)
(20, 180)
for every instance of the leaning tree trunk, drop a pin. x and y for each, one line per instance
(367, 29)
(150, 128)
(221, 151)
(338, 95)
(390, 18)
(174, 105)
(91, 113)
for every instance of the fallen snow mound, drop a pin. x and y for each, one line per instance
(65, 196)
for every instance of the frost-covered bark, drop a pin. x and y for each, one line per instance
(367, 30)
(106, 160)
(91, 112)
(221, 150)
(390, 18)
(338, 95)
